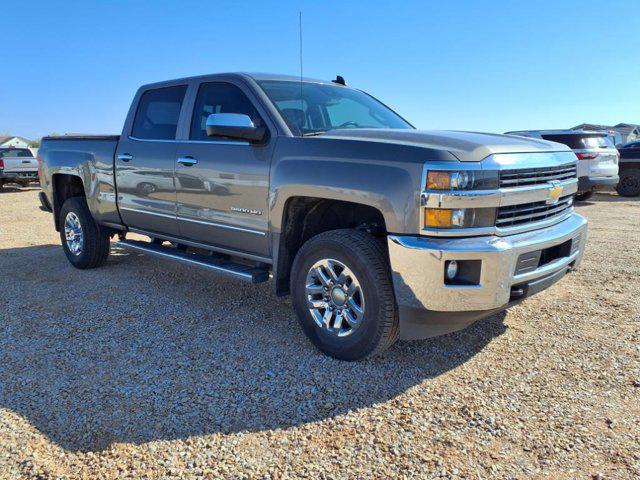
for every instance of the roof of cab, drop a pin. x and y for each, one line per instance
(256, 76)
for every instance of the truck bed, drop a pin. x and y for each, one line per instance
(89, 157)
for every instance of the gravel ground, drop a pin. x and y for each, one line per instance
(145, 369)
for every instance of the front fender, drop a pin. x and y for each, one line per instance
(383, 176)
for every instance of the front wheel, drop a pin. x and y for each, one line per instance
(584, 196)
(85, 243)
(629, 184)
(343, 294)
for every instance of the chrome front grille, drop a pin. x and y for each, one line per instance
(535, 176)
(514, 215)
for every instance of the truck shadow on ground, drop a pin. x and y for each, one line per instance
(603, 197)
(143, 350)
(14, 188)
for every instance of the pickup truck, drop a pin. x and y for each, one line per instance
(629, 185)
(17, 165)
(378, 231)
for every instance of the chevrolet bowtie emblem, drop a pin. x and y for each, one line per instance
(555, 190)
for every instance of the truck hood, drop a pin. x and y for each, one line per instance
(466, 146)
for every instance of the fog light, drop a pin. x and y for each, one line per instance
(451, 269)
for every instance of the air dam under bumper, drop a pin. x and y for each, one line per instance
(511, 268)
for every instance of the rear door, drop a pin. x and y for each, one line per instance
(145, 162)
(222, 190)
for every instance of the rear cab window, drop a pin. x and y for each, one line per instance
(580, 141)
(15, 152)
(158, 113)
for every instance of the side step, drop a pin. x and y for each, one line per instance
(237, 270)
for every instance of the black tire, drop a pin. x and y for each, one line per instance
(95, 242)
(629, 184)
(584, 196)
(367, 258)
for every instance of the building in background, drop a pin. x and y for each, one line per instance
(629, 132)
(13, 141)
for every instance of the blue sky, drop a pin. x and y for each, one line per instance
(466, 65)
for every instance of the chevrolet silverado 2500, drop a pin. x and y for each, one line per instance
(378, 231)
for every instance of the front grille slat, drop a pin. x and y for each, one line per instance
(520, 215)
(508, 182)
(504, 211)
(536, 176)
(537, 171)
(532, 212)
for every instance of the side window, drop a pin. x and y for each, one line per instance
(158, 113)
(219, 97)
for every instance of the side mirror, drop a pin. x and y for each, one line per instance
(234, 125)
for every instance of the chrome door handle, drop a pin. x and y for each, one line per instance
(187, 161)
(125, 157)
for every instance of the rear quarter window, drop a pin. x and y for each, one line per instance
(158, 113)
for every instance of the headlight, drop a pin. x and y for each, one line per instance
(459, 218)
(461, 180)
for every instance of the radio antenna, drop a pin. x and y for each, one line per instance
(301, 101)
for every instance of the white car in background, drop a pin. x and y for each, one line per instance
(597, 157)
(17, 165)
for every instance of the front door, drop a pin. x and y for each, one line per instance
(222, 185)
(145, 163)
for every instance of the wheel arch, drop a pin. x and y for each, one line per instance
(305, 217)
(65, 186)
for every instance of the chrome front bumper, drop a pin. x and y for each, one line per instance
(418, 264)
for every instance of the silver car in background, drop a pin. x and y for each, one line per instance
(597, 157)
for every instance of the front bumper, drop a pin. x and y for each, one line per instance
(586, 184)
(418, 265)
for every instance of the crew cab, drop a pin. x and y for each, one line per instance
(17, 165)
(378, 231)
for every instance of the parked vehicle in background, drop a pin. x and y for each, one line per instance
(17, 165)
(629, 184)
(597, 157)
(379, 231)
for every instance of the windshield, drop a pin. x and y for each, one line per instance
(325, 107)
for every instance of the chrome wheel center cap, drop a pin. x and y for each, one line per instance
(338, 297)
(334, 297)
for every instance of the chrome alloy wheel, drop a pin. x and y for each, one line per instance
(73, 233)
(334, 297)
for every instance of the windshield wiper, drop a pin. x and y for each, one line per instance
(314, 134)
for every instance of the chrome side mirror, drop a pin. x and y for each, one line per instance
(234, 125)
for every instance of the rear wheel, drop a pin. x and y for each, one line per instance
(343, 294)
(584, 196)
(629, 184)
(85, 243)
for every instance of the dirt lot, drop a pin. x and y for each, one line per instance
(148, 369)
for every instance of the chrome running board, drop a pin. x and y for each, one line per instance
(237, 270)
